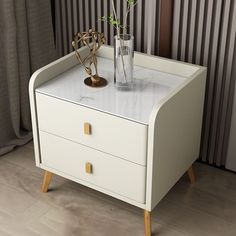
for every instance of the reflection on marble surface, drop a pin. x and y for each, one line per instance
(150, 87)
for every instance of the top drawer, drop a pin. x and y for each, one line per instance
(108, 133)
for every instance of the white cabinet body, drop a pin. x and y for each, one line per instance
(140, 141)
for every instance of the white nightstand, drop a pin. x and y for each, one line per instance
(132, 145)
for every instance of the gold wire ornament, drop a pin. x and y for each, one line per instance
(93, 40)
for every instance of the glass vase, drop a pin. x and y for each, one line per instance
(123, 61)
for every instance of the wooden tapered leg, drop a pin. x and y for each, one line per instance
(191, 175)
(147, 223)
(46, 181)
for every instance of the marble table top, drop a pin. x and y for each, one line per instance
(150, 87)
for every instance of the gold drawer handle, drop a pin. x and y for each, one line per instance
(88, 168)
(87, 128)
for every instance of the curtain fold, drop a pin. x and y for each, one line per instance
(27, 43)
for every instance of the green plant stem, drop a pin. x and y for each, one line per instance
(114, 11)
(121, 42)
(122, 56)
(129, 8)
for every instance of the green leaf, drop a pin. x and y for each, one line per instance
(102, 18)
(111, 20)
(131, 2)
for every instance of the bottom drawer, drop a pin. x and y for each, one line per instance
(108, 172)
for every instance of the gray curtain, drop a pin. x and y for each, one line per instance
(26, 44)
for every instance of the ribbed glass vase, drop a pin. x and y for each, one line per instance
(123, 61)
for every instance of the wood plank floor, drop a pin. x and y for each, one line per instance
(205, 209)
